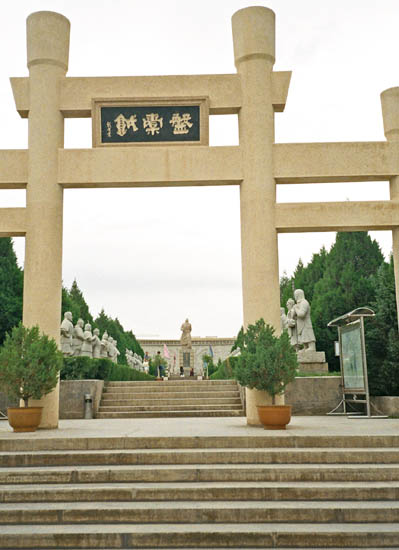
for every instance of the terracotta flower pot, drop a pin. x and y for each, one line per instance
(24, 419)
(274, 417)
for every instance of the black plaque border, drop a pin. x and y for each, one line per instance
(201, 101)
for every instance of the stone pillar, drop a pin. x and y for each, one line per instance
(254, 52)
(390, 114)
(47, 51)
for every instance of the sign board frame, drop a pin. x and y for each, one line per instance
(150, 104)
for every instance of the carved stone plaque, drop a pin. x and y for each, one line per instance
(146, 122)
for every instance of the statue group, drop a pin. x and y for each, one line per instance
(134, 360)
(298, 323)
(80, 341)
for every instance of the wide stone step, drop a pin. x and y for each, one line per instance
(176, 388)
(171, 414)
(252, 535)
(200, 512)
(276, 491)
(263, 440)
(170, 401)
(177, 383)
(198, 472)
(200, 456)
(163, 394)
(175, 406)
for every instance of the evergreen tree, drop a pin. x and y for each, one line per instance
(78, 305)
(286, 289)
(126, 340)
(307, 277)
(11, 288)
(347, 283)
(382, 338)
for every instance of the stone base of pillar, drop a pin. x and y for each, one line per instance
(50, 404)
(254, 398)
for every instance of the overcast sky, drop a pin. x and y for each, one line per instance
(153, 257)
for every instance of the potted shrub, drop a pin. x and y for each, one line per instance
(267, 363)
(30, 363)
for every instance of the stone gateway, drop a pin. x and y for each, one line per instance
(254, 93)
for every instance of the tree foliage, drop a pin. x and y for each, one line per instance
(267, 362)
(346, 283)
(85, 368)
(29, 364)
(11, 288)
(73, 301)
(382, 338)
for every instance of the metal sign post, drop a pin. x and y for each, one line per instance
(353, 361)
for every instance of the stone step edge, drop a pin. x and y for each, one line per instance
(215, 536)
(268, 441)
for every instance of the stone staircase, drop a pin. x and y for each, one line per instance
(170, 398)
(244, 492)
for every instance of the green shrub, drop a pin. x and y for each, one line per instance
(267, 363)
(85, 368)
(225, 370)
(29, 364)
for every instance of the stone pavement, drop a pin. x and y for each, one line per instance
(218, 427)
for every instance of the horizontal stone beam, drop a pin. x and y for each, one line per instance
(224, 91)
(335, 162)
(12, 222)
(337, 216)
(13, 168)
(149, 166)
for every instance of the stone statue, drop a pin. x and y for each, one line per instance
(87, 346)
(304, 328)
(67, 334)
(77, 340)
(139, 363)
(129, 359)
(104, 346)
(185, 339)
(113, 351)
(291, 323)
(96, 344)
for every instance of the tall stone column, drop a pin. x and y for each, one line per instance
(47, 51)
(254, 52)
(390, 114)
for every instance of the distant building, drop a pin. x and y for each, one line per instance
(221, 348)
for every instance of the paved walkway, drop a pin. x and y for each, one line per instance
(220, 426)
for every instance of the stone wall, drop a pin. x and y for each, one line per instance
(386, 405)
(313, 395)
(72, 394)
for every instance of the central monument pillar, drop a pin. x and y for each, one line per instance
(254, 52)
(47, 49)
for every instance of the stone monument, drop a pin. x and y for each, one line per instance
(87, 346)
(77, 340)
(186, 354)
(67, 335)
(298, 323)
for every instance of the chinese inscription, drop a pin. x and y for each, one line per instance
(146, 124)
